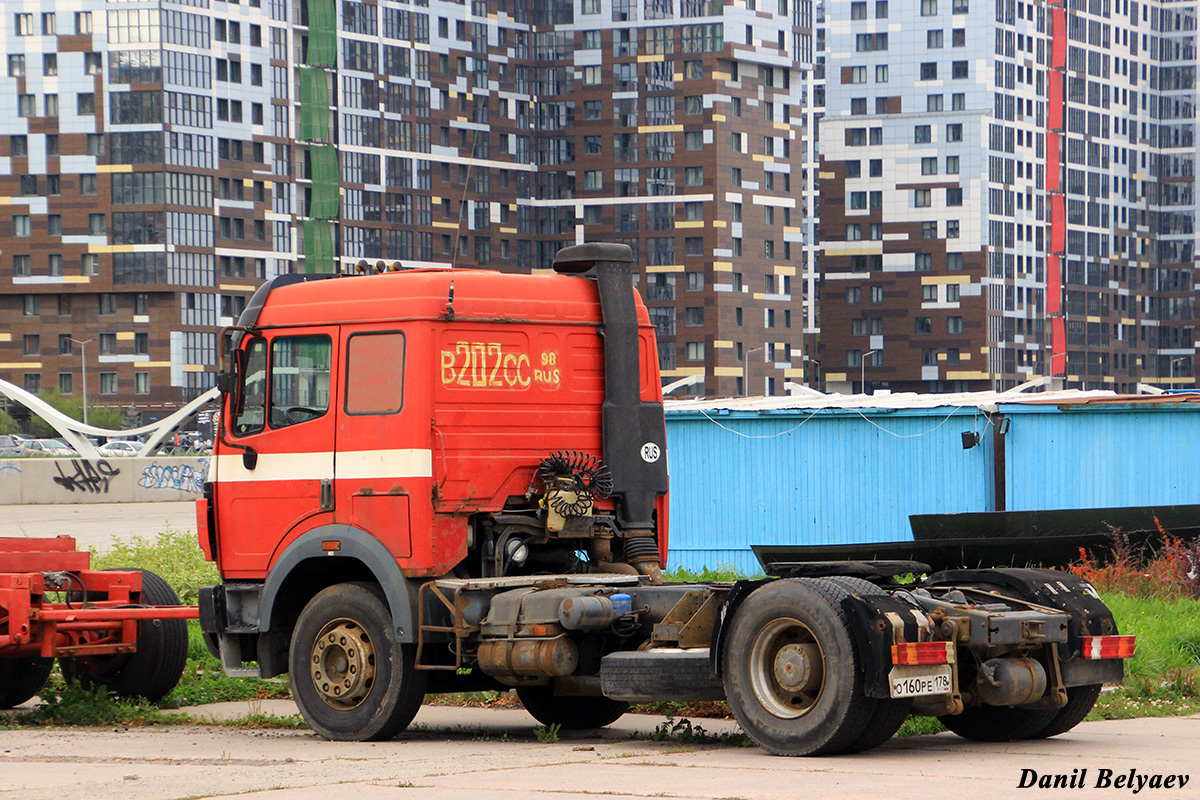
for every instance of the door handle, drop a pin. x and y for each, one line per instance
(327, 494)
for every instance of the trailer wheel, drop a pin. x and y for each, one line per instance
(1080, 700)
(791, 670)
(570, 712)
(889, 714)
(350, 677)
(22, 678)
(155, 668)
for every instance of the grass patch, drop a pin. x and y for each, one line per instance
(684, 732)
(76, 705)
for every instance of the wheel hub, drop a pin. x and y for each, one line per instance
(342, 664)
(787, 668)
(794, 668)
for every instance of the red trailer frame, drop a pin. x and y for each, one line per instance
(47, 608)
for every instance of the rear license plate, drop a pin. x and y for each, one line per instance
(920, 681)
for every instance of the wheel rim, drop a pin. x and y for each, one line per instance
(342, 664)
(787, 668)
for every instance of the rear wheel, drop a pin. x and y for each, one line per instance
(998, 723)
(1080, 700)
(22, 678)
(350, 677)
(889, 714)
(155, 668)
(570, 712)
(792, 673)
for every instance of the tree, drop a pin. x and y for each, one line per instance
(108, 417)
(42, 429)
(8, 425)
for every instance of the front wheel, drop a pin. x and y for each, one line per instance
(792, 674)
(350, 677)
(570, 712)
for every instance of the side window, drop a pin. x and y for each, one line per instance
(375, 373)
(300, 368)
(252, 414)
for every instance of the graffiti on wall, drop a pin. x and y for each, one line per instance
(84, 476)
(8, 465)
(184, 477)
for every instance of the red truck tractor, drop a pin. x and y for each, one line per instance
(444, 480)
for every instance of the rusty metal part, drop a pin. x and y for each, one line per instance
(690, 621)
(641, 550)
(461, 629)
(508, 659)
(787, 668)
(342, 664)
(938, 706)
(1010, 681)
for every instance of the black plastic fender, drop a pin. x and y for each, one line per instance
(355, 544)
(740, 591)
(1089, 616)
(872, 624)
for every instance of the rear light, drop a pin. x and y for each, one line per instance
(919, 653)
(1099, 647)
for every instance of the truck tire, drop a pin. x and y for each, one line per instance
(792, 675)
(998, 723)
(350, 677)
(22, 678)
(1080, 700)
(570, 712)
(647, 676)
(155, 668)
(889, 714)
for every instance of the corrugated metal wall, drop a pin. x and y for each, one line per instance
(830, 477)
(1102, 456)
(838, 476)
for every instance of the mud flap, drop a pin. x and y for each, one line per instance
(873, 622)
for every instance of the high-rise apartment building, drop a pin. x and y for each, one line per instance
(159, 159)
(1008, 192)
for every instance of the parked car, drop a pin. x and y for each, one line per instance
(9, 447)
(47, 447)
(118, 448)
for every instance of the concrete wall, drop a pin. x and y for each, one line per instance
(103, 480)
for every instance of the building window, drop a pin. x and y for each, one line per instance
(108, 303)
(954, 132)
(853, 232)
(952, 292)
(933, 39)
(881, 73)
(33, 344)
(929, 293)
(858, 201)
(858, 75)
(922, 198)
(96, 224)
(960, 7)
(694, 317)
(16, 66)
(929, 230)
(22, 265)
(958, 37)
(108, 344)
(83, 22)
(108, 383)
(952, 229)
(695, 351)
(928, 8)
(923, 325)
(21, 225)
(929, 70)
(87, 185)
(922, 134)
(923, 262)
(49, 24)
(954, 262)
(29, 305)
(853, 295)
(958, 101)
(85, 104)
(854, 358)
(952, 356)
(90, 264)
(33, 382)
(66, 383)
(952, 166)
(959, 70)
(23, 24)
(929, 165)
(954, 324)
(26, 105)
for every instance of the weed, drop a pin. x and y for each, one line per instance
(547, 734)
(920, 726)
(77, 705)
(1169, 571)
(290, 722)
(684, 732)
(173, 555)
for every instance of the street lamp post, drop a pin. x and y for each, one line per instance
(862, 369)
(746, 370)
(1174, 361)
(83, 362)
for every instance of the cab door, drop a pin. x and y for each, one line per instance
(274, 476)
(383, 465)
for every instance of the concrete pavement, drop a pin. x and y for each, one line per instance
(97, 524)
(464, 754)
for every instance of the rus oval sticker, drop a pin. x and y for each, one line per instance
(650, 452)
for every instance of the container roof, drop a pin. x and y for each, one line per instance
(812, 400)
